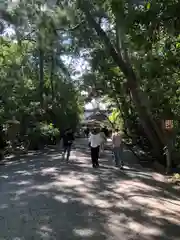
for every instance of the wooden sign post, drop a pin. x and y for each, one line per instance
(168, 127)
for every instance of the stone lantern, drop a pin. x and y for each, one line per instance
(12, 130)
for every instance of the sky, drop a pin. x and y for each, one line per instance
(96, 103)
(79, 64)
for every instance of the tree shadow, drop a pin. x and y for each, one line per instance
(43, 197)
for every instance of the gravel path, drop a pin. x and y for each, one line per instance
(43, 197)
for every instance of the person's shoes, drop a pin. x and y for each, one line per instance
(121, 167)
(97, 165)
(94, 166)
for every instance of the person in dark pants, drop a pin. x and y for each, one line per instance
(106, 131)
(68, 138)
(95, 142)
(86, 131)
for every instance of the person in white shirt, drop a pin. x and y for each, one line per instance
(117, 148)
(95, 142)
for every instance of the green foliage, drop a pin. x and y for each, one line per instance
(140, 41)
(175, 179)
(35, 84)
(48, 130)
(114, 115)
(43, 134)
(116, 119)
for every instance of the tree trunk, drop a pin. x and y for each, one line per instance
(51, 77)
(154, 136)
(41, 75)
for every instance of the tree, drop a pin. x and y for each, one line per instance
(129, 50)
(153, 132)
(132, 49)
(35, 83)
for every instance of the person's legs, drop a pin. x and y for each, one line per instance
(93, 156)
(121, 156)
(64, 151)
(102, 147)
(1, 154)
(100, 150)
(97, 156)
(68, 152)
(117, 155)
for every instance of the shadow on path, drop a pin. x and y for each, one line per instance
(43, 197)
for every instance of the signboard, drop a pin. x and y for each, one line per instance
(168, 125)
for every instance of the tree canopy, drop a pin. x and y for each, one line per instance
(130, 50)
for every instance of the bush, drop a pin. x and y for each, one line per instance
(43, 134)
(175, 179)
(48, 131)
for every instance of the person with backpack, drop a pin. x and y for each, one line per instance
(68, 138)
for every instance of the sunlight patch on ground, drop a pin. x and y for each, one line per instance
(64, 180)
(86, 232)
(25, 173)
(158, 177)
(20, 192)
(61, 198)
(83, 158)
(5, 176)
(155, 207)
(4, 206)
(55, 157)
(21, 183)
(18, 238)
(119, 231)
(42, 187)
(45, 232)
(151, 231)
(141, 228)
(49, 170)
(30, 153)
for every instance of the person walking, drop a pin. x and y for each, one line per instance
(86, 132)
(68, 138)
(106, 131)
(117, 148)
(95, 142)
(103, 141)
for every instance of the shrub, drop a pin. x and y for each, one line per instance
(43, 134)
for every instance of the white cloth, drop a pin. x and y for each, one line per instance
(116, 139)
(95, 140)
